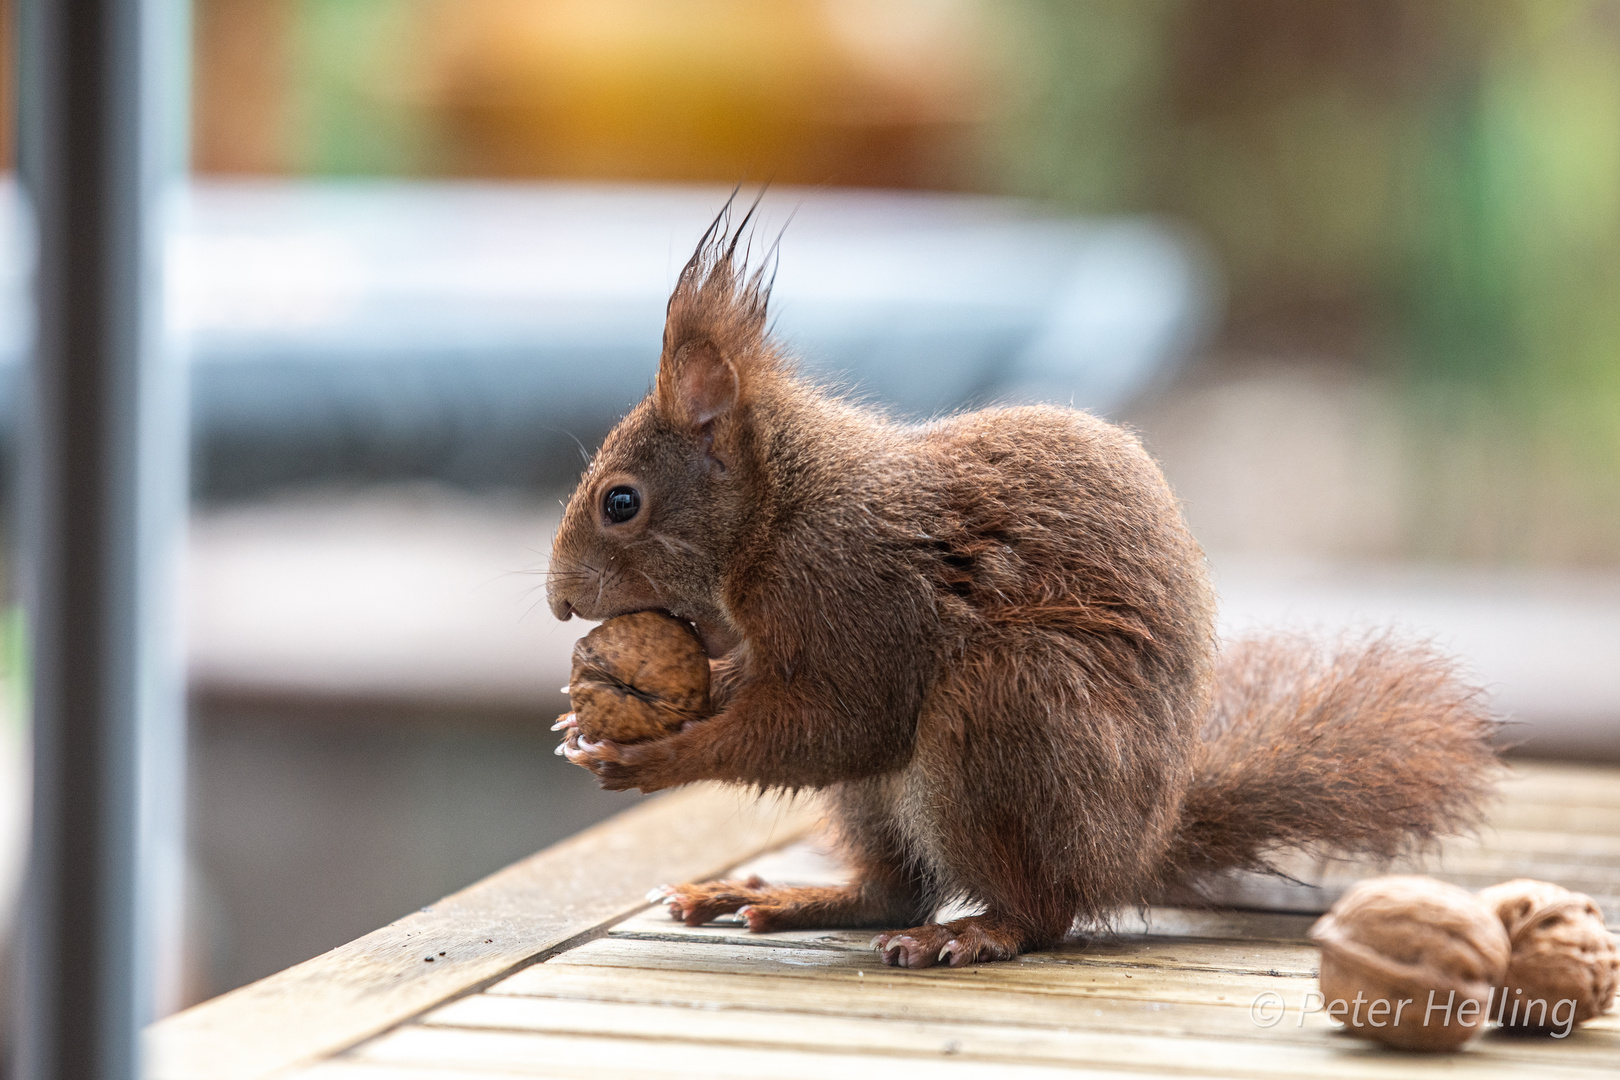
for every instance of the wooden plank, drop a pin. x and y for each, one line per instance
(1035, 973)
(881, 996)
(1587, 863)
(1077, 1043)
(345, 1069)
(907, 1050)
(598, 1059)
(1144, 974)
(1555, 822)
(895, 997)
(468, 939)
(701, 1019)
(1538, 816)
(652, 997)
(1562, 784)
(552, 1055)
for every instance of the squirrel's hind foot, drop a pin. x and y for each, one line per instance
(977, 939)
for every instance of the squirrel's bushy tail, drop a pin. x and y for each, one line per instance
(1369, 747)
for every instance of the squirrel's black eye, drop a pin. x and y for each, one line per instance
(621, 504)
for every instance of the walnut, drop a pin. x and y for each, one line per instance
(638, 677)
(1421, 956)
(1561, 952)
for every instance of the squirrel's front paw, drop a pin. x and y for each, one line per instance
(621, 766)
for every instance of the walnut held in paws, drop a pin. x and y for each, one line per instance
(1561, 952)
(638, 677)
(1422, 956)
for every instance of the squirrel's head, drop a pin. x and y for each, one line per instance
(669, 496)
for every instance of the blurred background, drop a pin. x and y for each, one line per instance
(1352, 270)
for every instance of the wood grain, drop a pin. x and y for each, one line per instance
(1261, 1051)
(1156, 1008)
(504, 1053)
(1157, 1002)
(779, 1049)
(1046, 974)
(468, 939)
(1167, 991)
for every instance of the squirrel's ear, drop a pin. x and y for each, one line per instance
(696, 385)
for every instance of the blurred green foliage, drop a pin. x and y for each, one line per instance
(1080, 117)
(1429, 186)
(1512, 292)
(350, 79)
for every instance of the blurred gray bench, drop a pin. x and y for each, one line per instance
(469, 332)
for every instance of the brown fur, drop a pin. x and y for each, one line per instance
(989, 640)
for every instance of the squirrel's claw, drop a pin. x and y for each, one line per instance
(973, 940)
(619, 766)
(903, 950)
(582, 751)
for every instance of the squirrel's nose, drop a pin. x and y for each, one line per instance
(558, 599)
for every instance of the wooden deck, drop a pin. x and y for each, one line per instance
(556, 967)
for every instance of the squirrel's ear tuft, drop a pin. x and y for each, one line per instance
(715, 346)
(697, 384)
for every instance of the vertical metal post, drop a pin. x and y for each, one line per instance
(103, 488)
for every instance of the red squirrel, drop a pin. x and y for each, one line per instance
(988, 641)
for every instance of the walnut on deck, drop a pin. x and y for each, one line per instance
(1561, 951)
(1417, 941)
(638, 677)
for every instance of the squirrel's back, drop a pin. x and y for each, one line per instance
(1055, 519)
